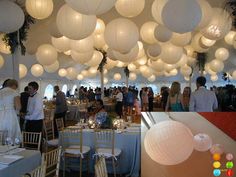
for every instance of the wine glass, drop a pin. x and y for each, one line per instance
(17, 142)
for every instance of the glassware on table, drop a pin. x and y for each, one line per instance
(17, 142)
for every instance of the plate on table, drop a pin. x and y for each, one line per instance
(8, 159)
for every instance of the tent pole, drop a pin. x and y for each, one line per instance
(15, 62)
(102, 84)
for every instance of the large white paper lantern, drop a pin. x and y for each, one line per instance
(80, 77)
(229, 38)
(91, 7)
(96, 59)
(71, 73)
(214, 78)
(129, 8)
(181, 39)
(187, 15)
(157, 65)
(129, 57)
(132, 67)
(52, 68)
(186, 70)
(100, 26)
(39, 9)
(117, 76)
(162, 33)
(170, 53)
(62, 72)
(169, 143)
(3, 47)
(46, 54)
(62, 44)
(147, 32)
(152, 78)
(157, 7)
(217, 149)
(99, 41)
(37, 70)
(202, 142)
(83, 45)
(22, 71)
(121, 35)
(216, 65)
(1, 61)
(222, 54)
(53, 30)
(153, 51)
(74, 25)
(132, 76)
(82, 57)
(11, 16)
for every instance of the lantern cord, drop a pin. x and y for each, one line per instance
(144, 117)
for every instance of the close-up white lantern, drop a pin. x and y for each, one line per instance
(170, 53)
(100, 26)
(216, 65)
(229, 38)
(222, 54)
(153, 51)
(181, 39)
(62, 44)
(71, 73)
(39, 9)
(152, 78)
(46, 54)
(202, 142)
(96, 59)
(162, 33)
(81, 57)
(169, 143)
(37, 70)
(99, 41)
(83, 45)
(132, 76)
(147, 32)
(186, 70)
(129, 57)
(117, 76)
(22, 71)
(132, 67)
(3, 47)
(80, 77)
(214, 78)
(129, 8)
(91, 7)
(75, 25)
(62, 72)
(121, 35)
(1, 61)
(52, 68)
(11, 16)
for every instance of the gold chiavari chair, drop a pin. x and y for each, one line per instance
(105, 146)
(60, 124)
(100, 168)
(72, 145)
(50, 139)
(38, 172)
(31, 140)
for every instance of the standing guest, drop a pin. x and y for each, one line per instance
(150, 99)
(4, 84)
(202, 100)
(145, 99)
(186, 98)
(164, 96)
(119, 102)
(175, 98)
(34, 117)
(24, 97)
(130, 101)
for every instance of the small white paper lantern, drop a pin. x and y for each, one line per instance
(214, 78)
(169, 143)
(120, 64)
(170, 53)
(202, 142)
(96, 59)
(3, 47)
(189, 49)
(1, 61)
(83, 45)
(46, 54)
(186, 70)
(129, 57)
(37, 70)
(62, 44)
(153, 51)
(62, 72)
(80, 77)
(162, 33)
(82, 57)
(181, 39)
(52, 68)
(74, 25)
(99, 41)
(39, 9)
(91, 7)
(234, 74)
(152, 78)
(110, 64)
(132, 76)
(217, 149)
(100, 26)
(121, 35)
(143, 68)
(147, 72)
(129, 8)
(208, 69)
(141, 61)
(117, 76)
(229, 38)
(22, 71)
(132, 67)
(174, 72)
(11, 16)
(222, 54)
(71, 73)
(183, 60)
(105, 80)
(216, 65)
(147, 32)
(157, 65)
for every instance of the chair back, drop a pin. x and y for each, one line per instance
(52, 160)
(38, 172)
(31, 140)
(105, 138)
(48, 114)
(60, 124)
(48, 129)
(72, 137)
(100, 168)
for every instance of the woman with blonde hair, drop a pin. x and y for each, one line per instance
(186, 98)
(175, 98)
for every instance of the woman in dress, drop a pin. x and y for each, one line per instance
(186, 98)
(9, 105)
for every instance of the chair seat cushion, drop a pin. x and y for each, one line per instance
(107, 152)
(53, 142)
(75, 149)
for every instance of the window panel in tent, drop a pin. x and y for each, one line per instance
(64, 88)
(49, 92)
(73, 89)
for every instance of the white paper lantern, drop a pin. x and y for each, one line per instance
(39, 9)
(52, 68)
(141, 61)
(37, 70)
(216, 65)
(83, 45)
(169, 67)
(85, 73)
(143, 68)
(196, 43)
(129, 8)
(129, 57)
(132, 76)
(207, 42)
(3, 47)
(217, 149)
(96, 59)
(91, 7)
(181, 39)
(74, 25)
(99, 41)
(80, 77)
(189, 49)
(82, 57)
(186, 70)
(214, 78)
(46, 54)
(222, 54)
(169, 143)
(183, 60)
(208, 69)
(202, 142)
(174, 72)
(92, 70)
(191, 61)
(54, 32)
(121, 35)
(117, 76)
(62, 44)
(229, 38)
(153, 51)
(68, 52)
(1, 61)
(11, 16)
(234, 75)
(146, 72)
(152, 78)
(157, 65)
(62, 72)
(105, 80)
(22, 71)
(100, 26)
(187, 15)
(132, 67)
(110, 64)
(171, 54)
(157, 7)
(147, 32)
(162, 33)
(71, 73)
(120, 64)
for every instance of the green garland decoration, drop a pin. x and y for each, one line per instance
(126, 71)
(201, 60)
(104, 60)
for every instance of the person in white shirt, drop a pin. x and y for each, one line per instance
(119, 102)
(34, 116)
(202, 100)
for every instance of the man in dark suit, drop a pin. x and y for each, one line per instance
(24, 97)
(61, 106)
